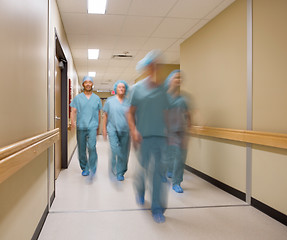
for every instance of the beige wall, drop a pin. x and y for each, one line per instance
(269, 100)
(163, 71)
(23, 106)
(214, 63)
(27, 66)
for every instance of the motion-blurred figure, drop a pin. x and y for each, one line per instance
(146, 120)
(116, 126)
(178, 121)
(85, 116)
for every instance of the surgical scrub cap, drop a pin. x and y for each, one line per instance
(148, 59)
(121, 81)
(168, 79)
(87, 78)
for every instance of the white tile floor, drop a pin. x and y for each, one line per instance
(107, 210)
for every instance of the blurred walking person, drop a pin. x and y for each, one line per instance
(116, 127)
(178, 122)
(149, 102)
(85, 116)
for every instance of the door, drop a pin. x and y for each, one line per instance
(58, 161)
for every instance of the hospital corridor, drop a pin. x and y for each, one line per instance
(107, 209)
(143, 120)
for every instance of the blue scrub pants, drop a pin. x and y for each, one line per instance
(177, 151)
(151, 157)
(87, 139)
(120, 146)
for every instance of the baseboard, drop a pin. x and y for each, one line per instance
(271, 212)
(72, 154)
(42, 220)
(52, 198)
(223, 186)
(40, 225)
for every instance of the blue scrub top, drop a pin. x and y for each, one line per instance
(87, 111)
(177, 121)
(116, 114)
(151, 106)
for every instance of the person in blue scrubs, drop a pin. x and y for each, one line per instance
(116, 127)
(85, 116)
(146, 118)
(178, 122)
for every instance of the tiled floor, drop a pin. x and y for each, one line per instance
(107, 210)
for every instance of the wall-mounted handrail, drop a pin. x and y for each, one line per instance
(17, 155)
(276, 140)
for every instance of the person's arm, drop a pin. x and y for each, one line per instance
(98, 130)
(135, 135)
(73, 117)
(105, 120)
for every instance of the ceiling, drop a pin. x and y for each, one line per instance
(132, 27)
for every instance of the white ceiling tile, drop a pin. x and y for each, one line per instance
(75, 23)
(151, 7)
(219, 9)
(78, 40)
(140, 26)
(159, 43)
(135, 26)
(129, 43)
(73, 6)
(106, 42)
(80, 53)
(174, 27)
(193, 8)
(118, 7)
(123, 63)
(105, 24)
(105, 54)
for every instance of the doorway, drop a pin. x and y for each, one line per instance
(61, 105)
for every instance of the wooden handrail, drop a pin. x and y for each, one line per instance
(17, 155)
(277, 140)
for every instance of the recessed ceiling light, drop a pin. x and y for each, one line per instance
(97, 6)
(92, 74)
(93, 53)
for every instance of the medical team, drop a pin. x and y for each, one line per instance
(145, 114)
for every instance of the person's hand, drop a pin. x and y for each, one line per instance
(136, 138)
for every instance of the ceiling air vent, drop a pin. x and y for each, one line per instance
(124, 55)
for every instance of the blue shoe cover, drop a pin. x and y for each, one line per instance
(163, 179)
(177, 188)
(85, 173)
(140, 200)
(169, 174)
(120, 178)
(158, 217)
(90, 178)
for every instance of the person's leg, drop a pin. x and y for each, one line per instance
(180, 157)
(93, 156)
(143, 155)
(124, 148)
(158, 147)
(114, 144)
(82, 144)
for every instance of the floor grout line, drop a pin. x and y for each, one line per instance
(146, 209)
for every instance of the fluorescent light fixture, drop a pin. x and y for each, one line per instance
(93, 53)
(97, 6)
(92, 74)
